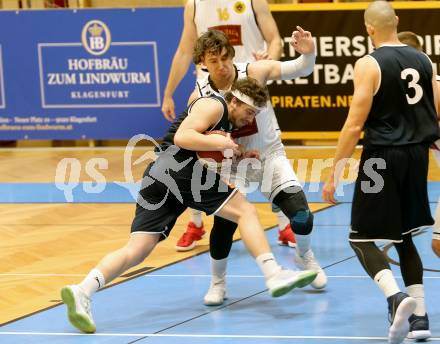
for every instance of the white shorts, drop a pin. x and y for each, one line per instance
(269, 176)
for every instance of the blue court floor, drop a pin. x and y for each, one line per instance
(165, 306)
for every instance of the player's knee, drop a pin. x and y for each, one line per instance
(248, 210)
(302, 222)
(139, 247)
(292, 201)
(436, 247)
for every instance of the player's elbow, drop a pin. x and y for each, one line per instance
(355, 130)
(180, 139)
(278, 43)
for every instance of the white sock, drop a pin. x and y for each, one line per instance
(218, 270)
(196, 217)
(386, 282)
(417, 291)
(268, 264)
(93, 281)
(303, 243)
(283, 221)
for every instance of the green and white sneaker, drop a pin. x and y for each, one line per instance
(78, 308)
(286, 280)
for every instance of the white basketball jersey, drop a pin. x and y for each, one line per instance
(236, 18)
(267, 141)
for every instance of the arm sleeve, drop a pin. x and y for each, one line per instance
(302, 66)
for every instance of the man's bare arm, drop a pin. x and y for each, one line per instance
(181, 61)
(366, 76)
(204, 114)
(269, 29)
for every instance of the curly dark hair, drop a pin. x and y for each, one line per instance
(252, 89)
(212, 41)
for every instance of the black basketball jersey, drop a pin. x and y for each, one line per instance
(223, 125)
(403, 110)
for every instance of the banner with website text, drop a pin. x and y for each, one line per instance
(320, 102)
(80, 74)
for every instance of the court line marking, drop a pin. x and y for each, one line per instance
(183, 275)
(192, 335)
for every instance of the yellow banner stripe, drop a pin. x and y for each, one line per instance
(351, 6)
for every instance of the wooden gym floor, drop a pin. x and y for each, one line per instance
(45, 245)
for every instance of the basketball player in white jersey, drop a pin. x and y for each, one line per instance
(254, 35)
(275, 177)
(248, 23)
(411, 39)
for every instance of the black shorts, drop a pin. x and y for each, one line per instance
(159, 205)
(401, 206)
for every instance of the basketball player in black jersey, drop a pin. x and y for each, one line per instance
(394, 102)
(177, 180)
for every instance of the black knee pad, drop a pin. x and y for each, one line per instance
(292, 201)
(302, 222)
(221, 238)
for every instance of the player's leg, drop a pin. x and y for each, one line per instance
(286, 237)
(412, 272)
(287, 194)
(377, 214)
(77, 297)
(220, 243)
(292, 201)
(279, 281)
(277, 173)
(400, 305)
(194, 232)
(149, 226)
(416, 214)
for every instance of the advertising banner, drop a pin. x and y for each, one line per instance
(87, 74)
(320, 102)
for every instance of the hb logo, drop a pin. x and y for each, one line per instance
(96, 37)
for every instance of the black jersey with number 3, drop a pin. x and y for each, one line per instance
(403, 110)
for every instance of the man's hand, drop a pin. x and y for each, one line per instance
(223, 143)
(261, 55)
(168, 109)
(252, 154)
(328, 191)
(302, 41)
